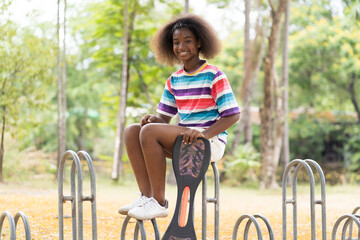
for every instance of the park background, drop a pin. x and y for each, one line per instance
(73, 75)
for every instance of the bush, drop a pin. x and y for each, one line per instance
(243, 166)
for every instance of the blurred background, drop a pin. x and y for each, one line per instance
(73, 74)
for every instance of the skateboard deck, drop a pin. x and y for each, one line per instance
(190, 163)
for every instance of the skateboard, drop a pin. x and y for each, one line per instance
(190, 163)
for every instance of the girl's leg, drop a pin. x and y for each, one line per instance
(137, 161)
(157, 140)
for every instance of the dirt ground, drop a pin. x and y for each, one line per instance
(39, 201)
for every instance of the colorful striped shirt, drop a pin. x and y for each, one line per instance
(201, 98)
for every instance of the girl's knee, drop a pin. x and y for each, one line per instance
(132, 131)
(147, 132)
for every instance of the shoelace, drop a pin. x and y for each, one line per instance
(142, 200)
(150, 204)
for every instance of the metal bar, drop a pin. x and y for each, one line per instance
(156, 229)
(351, 223)
(62, 199)
(139, 225)
(216, 200)
(298, 164)
(25, 222)
(12, 225)
(123, 228)
(347, 218)
(323, 195)
(92, 198)
(250, 219)
(204, 208)
(73, 203)
(267, 223)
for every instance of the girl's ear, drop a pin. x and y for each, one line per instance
(198, 43)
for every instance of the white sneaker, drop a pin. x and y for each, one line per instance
(138, 202)
(150, 210)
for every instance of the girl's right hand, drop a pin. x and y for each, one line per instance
(148, 118)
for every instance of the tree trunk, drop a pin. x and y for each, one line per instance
(272, 111)
(186, 8)
(61, 82)
(119, 144)
(2, 143)
(285, 157)
(252, 62)
(354, 101)
(246, 80)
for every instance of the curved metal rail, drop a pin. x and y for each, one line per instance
(298, 164)
(215, 200)
(139, 226)
(76, 198)
(13, 224)
(348, 219)
(251, 219)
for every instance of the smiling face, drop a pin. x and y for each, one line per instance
(186, 46)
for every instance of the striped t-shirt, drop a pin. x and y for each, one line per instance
(201, 98)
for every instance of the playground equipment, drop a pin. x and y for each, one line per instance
(190, 162)
(252, 220)
(348, 222)
(298, 164)
(78, 198)
(13, 224)
(205, 200)
(139, 226)
(215, 200)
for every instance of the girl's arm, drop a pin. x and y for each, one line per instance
(220, 126)
(149, 118)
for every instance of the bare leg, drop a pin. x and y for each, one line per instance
(137, 161)
(157, 140)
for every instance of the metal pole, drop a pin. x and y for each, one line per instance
(62, 199)
(298, 164)
(215, 200)
(12, 226)
(26, 224)
(92, 197)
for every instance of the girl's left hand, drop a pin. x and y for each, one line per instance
(190, 135)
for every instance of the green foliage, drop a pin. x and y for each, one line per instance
(307, 137)
(323, 58)
(25, 77)
(243, 166)
(351, 150)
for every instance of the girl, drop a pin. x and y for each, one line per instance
(199, 92)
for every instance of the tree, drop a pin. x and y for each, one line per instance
(272, 115)
(61, 84)
(285, 152)
(25, 78)
(119, 142)
(253, 52)
(324, 59)
(186, 8)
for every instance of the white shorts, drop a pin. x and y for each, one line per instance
(217, 146)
